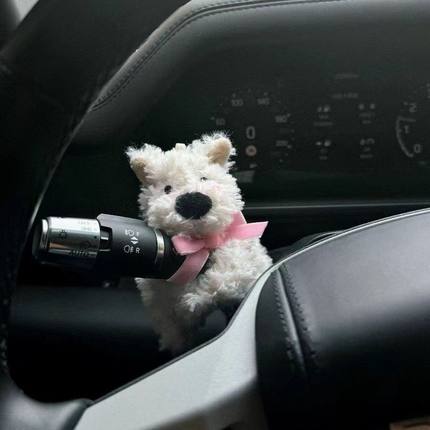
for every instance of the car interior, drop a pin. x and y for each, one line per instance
(326, 102)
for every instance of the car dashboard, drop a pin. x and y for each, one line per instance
(332, 117)
(349, 123)
(327, 107)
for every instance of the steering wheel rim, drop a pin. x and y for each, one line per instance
(51, 70)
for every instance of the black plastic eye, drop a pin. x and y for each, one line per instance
(203, 178)
(167, 189)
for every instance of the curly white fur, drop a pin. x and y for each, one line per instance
(177, 311)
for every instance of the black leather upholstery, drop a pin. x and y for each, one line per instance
(343, 329)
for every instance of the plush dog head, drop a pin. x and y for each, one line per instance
(187, 189)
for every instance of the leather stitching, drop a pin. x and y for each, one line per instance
(292, 360)
(176, 27)
(184, 23)
(300, 319)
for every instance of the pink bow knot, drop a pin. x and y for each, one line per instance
(197, 250)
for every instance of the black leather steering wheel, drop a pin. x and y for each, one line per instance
(50, 71)
(342, 324)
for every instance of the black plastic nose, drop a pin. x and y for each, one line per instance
(193, 205)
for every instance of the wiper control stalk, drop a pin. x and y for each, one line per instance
(109, 244)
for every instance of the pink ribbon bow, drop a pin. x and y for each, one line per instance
(197, 250)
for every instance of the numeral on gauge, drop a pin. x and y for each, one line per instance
(250, 132)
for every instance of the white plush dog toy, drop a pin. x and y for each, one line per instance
(188, 193)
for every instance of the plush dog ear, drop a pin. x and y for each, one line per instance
(140, 158)
(220, 150)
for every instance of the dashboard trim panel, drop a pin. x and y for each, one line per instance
(186, 37)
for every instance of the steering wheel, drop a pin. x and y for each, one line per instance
(335, 335)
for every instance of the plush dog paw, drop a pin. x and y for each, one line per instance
(194, 306)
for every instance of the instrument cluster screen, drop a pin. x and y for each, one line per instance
(307, 131)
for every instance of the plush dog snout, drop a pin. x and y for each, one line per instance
(193, 205)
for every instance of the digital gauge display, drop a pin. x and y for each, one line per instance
(255, 120)
(342, 133)
(413, 126)
(278, 129)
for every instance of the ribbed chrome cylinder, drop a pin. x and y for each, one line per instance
(68, 238)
